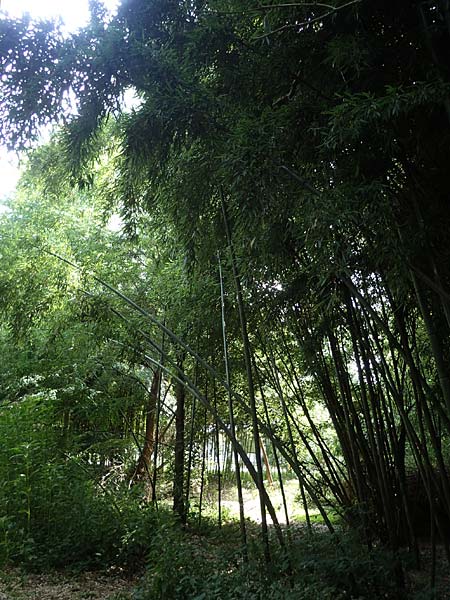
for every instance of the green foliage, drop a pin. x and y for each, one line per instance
(325, 137)
(323, 567)
(54, 512)
(72, 384)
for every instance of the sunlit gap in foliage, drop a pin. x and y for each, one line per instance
(73, 15)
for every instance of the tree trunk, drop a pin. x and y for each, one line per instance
(142, 470)
(178, 477)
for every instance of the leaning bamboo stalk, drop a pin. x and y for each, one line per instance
(277, 462)
(157, 426)
(250, 382)
(416, 375)
(217, 457)
(295, 387)
(202, 474)
(418, 445)
(376, 439)
(190, 452)
(191, 445)
(231, 418)
(242, 453)
(177, 375)
(181, 377)
(179, 506)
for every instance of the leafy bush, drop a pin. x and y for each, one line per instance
(53, 513)
(183, 565)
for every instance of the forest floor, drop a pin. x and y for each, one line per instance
(113, 584)
(17, 585)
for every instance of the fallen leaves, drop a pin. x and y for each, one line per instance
(15, 585)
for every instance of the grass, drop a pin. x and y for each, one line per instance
(230, 505)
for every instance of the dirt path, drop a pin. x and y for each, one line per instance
(16, 585)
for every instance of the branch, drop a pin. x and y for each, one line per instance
(432, 284)
(266, 7)
(302, 181)
(308, 21)
(296, 4)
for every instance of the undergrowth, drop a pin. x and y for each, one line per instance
(55, 514)
(183, 564)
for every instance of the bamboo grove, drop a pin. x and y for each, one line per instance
(285, 304)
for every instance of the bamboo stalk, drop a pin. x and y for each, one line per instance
(231, 418)
(251, 386)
